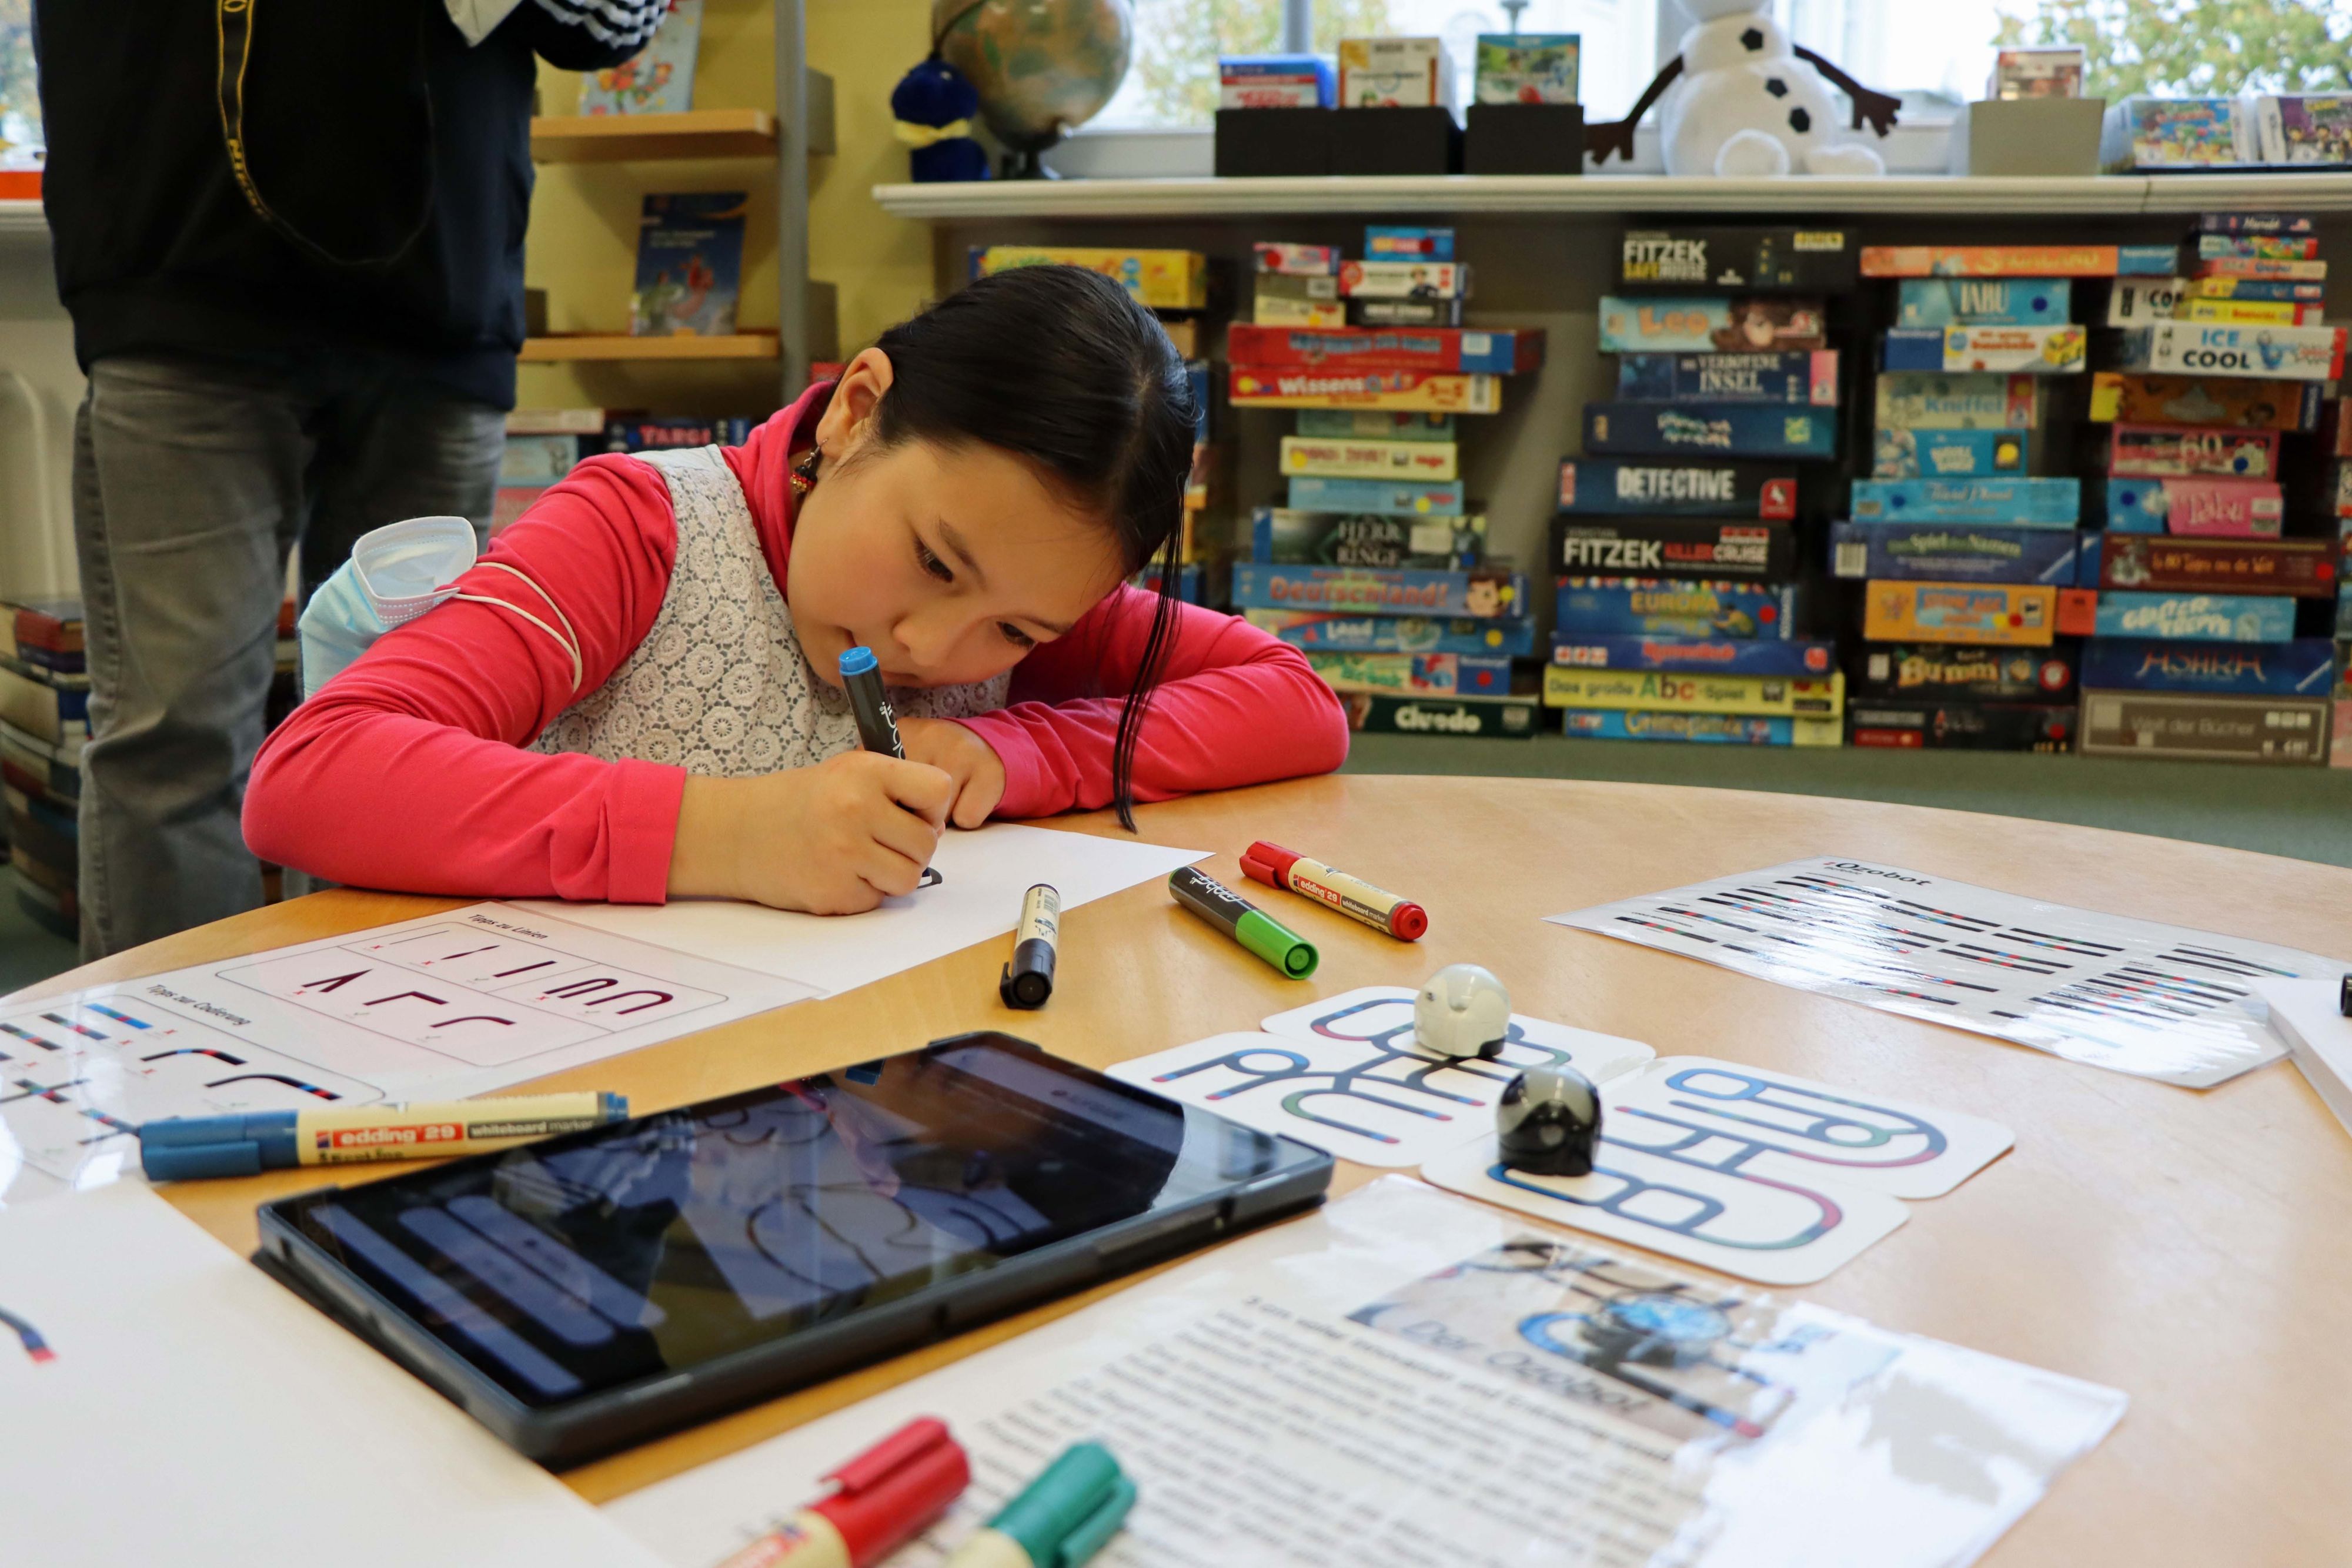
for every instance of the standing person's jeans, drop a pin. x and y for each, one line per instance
(193, 480)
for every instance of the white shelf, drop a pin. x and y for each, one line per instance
(1616, 195)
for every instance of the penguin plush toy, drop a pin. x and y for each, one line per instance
(933, 105)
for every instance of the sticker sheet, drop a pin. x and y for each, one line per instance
(1763, 1175)
(1346, 1075)
(2155, 1001)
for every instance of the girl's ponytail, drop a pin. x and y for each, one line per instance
(1057, 365)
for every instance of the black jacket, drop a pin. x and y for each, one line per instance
(361, 117)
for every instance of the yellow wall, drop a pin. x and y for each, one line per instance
(583, 216)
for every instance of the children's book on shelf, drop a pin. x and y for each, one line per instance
(1527, 68)
(690, 265)
(659, 78)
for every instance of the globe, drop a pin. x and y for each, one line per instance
(1041, 67)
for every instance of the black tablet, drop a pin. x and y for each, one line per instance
(595, 1289)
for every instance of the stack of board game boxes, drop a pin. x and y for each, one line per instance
(44, 724)
(1675, 550)
(2217, 569)
(1375, 565)
(1966, 534)
(543, 444)
(1176, 287)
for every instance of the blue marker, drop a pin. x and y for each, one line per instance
(877, 727)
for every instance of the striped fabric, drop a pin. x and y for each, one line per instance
(623, 23)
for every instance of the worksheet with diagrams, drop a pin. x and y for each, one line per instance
(480, 999)
(1405, 1379)
(2156, 1001)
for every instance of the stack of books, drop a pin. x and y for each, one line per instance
(44, 724)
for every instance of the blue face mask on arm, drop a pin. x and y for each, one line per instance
(397, 573)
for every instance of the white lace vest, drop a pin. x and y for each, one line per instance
(720, 686)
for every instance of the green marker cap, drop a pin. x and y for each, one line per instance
(1292, 955)
(1066, 1515)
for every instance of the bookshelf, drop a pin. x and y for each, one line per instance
(564, 346)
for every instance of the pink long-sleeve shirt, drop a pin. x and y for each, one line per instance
(407, 772)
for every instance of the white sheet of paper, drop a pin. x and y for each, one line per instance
(196, 1413)
(2155, 1001)
(2309, 1014)
(986, 872)
(439, 1008)
(1346, 1075)
(1420, 1369)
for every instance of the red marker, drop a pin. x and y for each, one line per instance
(881, 1500)
(1278, 867)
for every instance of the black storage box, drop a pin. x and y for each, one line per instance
(1525, 139)
(1395, 142)
(1260, 141)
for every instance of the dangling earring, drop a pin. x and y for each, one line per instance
(803, 476)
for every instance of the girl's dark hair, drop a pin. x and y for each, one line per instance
(1057, 365)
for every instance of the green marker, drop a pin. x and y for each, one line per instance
(1064, 1517)
(1243, 921)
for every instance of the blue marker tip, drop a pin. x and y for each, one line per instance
(858, 661)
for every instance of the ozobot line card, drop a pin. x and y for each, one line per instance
(2023, 503)
(2236, 402)
(1704, 429)
(2303, 569)
(2197, 617)
(2304, 667)
(2228, 509)
(1765, 260)
(1794, 378)
(1713, 728)
(1961, 726)
(1900, 453)
(1663, 691)
(1315, 493)
(1666, 607)
(1942, 672)
(1692, 490)
(1919, 400)
(1672, 547)
(1282, 536)
(1954, 552)
(1503, 637)
(1700, 325)
(1984, 301)
(1693, 655)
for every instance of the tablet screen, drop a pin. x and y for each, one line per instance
(597, 1258)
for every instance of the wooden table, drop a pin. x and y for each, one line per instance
(2192, 1248)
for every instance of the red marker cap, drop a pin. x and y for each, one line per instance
(888, 1495)
(1268, 864)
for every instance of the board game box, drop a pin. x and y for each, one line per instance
(2196, 617)
(1418, 460)
(2230, 402)
(1954, 552)
(1413, 674)
(1983, 302)
(1373, 424)
(2255, 224)
(2257, 312)
(1276, 81)
(1940, 672)
(1468, 718)
(1790, 378)
(1611, 485)
(2189, 452)
(1282, 537)
(1527, 68)
(1345, 387)
(1160, 279)
(1670, 607)
(1510, 637)
(1897, 453)
(2015, 615)
(1316, 493)
(1961, 726)
(2280, 730)
(1390, 241)
(1707, 429)
(1384, 313)
(2273, 247)
(2302, 569)
(2020, 503)
(2019, 260)
(2145, 131)
(1661, 691)
(2225, 509)
(1672, 547)
(1675, 325)
(1391, 72)
(1485, 593)
(1714, 728)
(2304, 667)
(1916, 399)
(1279, 310)
(1693, 655)
(1766, 260)
(2270, 288)
(2143, 301)
(2221, 348)
(1298, 285)
(2261, 269)
(2033, 351)
(1503, 352)
(1296, 260)
(1404, 279)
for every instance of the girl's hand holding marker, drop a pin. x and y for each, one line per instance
(832, 839)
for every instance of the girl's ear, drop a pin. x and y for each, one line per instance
(849, 418)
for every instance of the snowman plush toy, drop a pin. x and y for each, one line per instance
(1743, 101)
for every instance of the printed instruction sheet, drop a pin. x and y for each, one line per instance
(1408, 1380)
(2156, 1001)
(167, 1402)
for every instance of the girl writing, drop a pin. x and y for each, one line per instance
(652, 707)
